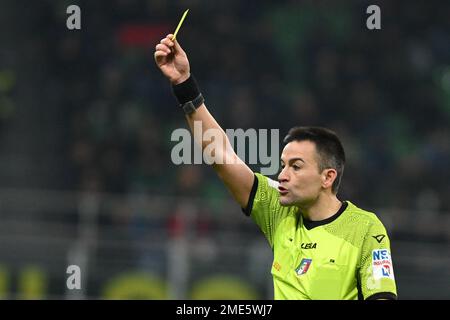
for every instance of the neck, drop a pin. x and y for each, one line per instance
(324, 207)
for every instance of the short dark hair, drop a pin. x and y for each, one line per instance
(329, 149)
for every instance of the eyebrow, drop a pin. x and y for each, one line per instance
(294, 159)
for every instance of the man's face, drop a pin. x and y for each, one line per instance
(300, 179)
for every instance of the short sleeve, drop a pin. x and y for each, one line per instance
(264, 206)
(376, 269)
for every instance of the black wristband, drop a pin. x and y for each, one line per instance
(186, 91)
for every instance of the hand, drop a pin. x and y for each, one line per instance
(172, 60)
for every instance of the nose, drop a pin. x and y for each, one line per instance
(283, 176)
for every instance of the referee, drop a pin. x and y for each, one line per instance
(323, 248)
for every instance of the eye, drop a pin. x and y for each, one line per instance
(296, 167)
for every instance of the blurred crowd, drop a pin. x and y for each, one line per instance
(259, 64)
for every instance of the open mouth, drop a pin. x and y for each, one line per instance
(283, 191)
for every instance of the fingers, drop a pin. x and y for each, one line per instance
(166, 47)
(159, 55)
(163, 48)
(168, 41)
(172, 44)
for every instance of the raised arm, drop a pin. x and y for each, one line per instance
(174, 64)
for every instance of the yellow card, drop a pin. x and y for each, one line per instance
(179, 24)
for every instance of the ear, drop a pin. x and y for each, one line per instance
(328, 177)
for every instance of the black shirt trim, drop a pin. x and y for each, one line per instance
(358, 285)
(248, 210)
(312, 224)
(383, 295)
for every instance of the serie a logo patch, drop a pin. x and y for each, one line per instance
(303, 266)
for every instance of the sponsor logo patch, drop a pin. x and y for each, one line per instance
(303, 266)
(308, 245)
(379, 237)
(382, 264)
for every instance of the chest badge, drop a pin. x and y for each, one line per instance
(303, 266)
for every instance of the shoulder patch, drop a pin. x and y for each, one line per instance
(382, 264)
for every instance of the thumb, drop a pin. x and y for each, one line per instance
(177, 47)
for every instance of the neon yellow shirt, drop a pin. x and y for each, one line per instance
(346, 256)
